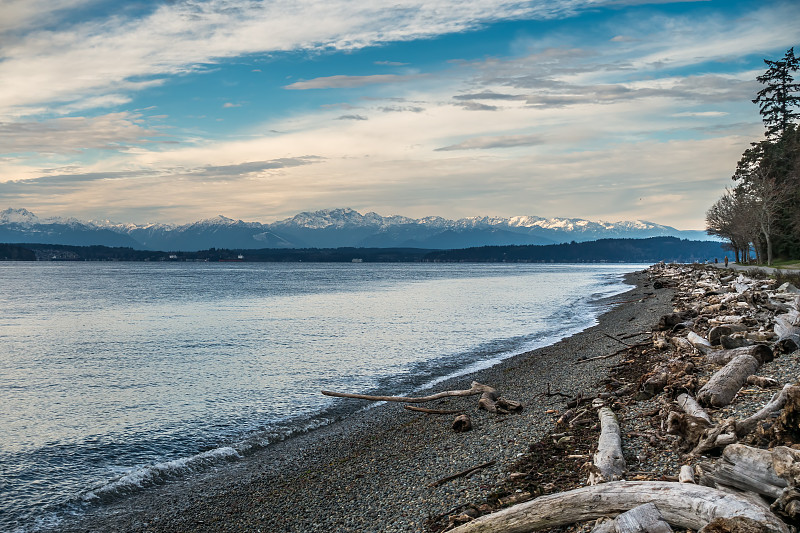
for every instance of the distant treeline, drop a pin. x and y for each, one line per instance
(652, 250)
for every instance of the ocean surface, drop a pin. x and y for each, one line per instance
(115, 377)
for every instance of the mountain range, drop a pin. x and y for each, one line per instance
(329, 228)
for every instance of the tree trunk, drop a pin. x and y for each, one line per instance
(609, 463)
(643, 519)
(725, 383)
(681, 504)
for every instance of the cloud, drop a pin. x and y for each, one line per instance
(701, 114)
(75, 61)
(486, 143)
(390, 63)
(250, 168)
(345, 82)
(489, 95)
(401, 109)
(228, 105)
(351, 117)
(477, 106)
(114, 131)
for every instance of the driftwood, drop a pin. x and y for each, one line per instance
(681, 504)
(462, 423)
(699, 343)
(463, 473)
(722, 357)
(763, 382)
(686, 474)
(743, 427)
(690, 406)
(609, 463)
(476, 389)
(725, 383)
(642, 519)
(432, 411)
(716, 333)
(745, 468)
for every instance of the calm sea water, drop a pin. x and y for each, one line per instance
(115, 377)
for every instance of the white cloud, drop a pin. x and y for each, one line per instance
(346, 82)
(99, 57)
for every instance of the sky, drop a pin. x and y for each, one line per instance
(180, 110)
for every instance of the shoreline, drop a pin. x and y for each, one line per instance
(371, 471)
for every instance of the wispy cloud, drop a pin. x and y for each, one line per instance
(485, 143)
(351, 117)
(114, 131)
(346, 82)
(99, 57)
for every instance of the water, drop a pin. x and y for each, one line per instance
(115, 377)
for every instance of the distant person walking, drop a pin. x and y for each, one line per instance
(726, 261)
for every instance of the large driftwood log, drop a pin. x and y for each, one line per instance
(476, 389)
(745, 468)
(609, 463)
(743, 427)
(722, 357)
(681, 504)
(725, 383)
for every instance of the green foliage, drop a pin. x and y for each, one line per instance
(762, 212)
(777, 99)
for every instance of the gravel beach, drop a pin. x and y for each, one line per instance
(373, 471)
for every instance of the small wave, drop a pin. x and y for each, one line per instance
(159, 473)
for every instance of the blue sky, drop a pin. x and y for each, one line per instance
(178, 111)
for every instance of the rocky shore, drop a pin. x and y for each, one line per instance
(373, 471)
(388, 469)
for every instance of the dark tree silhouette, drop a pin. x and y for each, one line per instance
(777, 100)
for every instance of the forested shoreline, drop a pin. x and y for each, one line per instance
(652, 250)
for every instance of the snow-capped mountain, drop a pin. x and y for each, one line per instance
(329, 228)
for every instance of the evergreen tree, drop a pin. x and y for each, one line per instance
(777, 100)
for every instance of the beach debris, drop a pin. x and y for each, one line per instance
(609, 463)
(463, 473)
(680, 504)
(726, 382)
(462, 423)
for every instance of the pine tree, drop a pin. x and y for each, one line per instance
(779, 97)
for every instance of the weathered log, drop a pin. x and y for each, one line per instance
(715, 333)
(743, 427)
(686, 474)
(732, 342)
(745, 468)
(722, 357)
(699, 343)
(642, 519)
(690, 406)
(761, 381)
(681, 504)
(690, 429)
(681, 344)
(462, 423)
(787, 327)
(725, 383)
(476, 389)
(609, 463)
(656, 382)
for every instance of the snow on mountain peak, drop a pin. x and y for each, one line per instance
(18, 216)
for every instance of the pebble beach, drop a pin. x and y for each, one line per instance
(376, 471)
